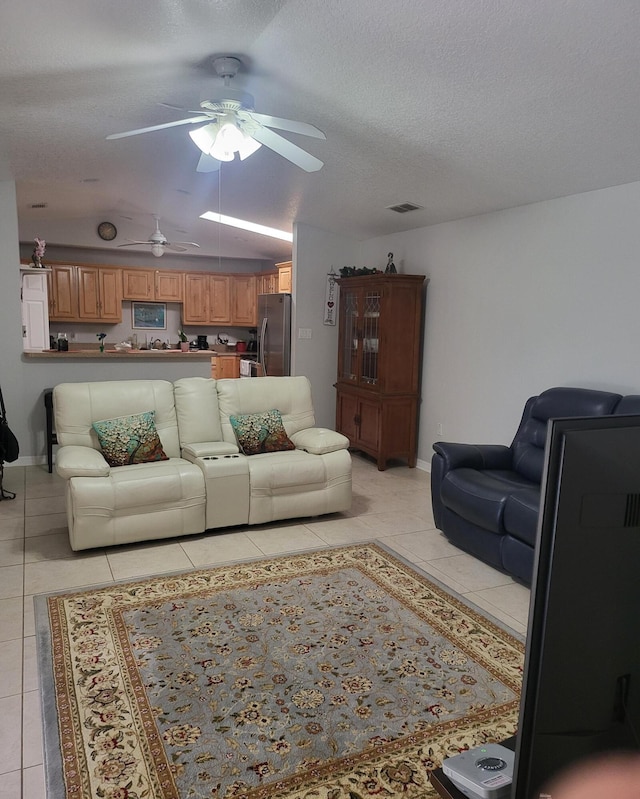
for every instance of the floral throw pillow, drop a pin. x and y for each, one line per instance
(130, 439)
(261, 432)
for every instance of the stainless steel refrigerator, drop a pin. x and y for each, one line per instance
(274, 334)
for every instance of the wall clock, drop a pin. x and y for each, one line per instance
(107, 231)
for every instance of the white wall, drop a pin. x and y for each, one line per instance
(314, 253)
(520, 300)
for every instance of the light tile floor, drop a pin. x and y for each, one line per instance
(393, 507)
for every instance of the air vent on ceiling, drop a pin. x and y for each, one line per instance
(38, 205)
(402, 208)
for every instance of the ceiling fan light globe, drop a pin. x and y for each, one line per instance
(248, 147)
(222, 153)
(205, 136)
(157, 249)
(228, 142)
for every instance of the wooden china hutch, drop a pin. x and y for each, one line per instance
(379, 358)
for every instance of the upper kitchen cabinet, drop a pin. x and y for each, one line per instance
(379, 357)
(219, 299)
(285, 277)
(168, 286)
(63, 293)
(161, 285)
(195, 310)
(99, 293)
(85, 293)
(244, 306)
(220, 293)
(267, 282)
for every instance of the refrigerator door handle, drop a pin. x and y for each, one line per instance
(261, 345)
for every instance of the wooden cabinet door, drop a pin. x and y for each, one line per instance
(346, 416)
(368, 420)
(88, 293)
(229, 366)
(110, 287)
(267, 283)
(168, 286)
(195, 310)
(225, 366)
(63, 293)
(220, 299)
(244, 300)
(285, 277)
(137, 284)
(99, 294)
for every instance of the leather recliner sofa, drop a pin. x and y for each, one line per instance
(486, 497)
(206, 482)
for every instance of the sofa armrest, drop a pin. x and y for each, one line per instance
(473, 456)
(191, 452)
(319, 440)
(77, 461)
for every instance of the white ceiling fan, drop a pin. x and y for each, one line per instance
(158, 242)
(232, 126)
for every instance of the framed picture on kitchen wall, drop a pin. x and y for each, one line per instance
(149, 315)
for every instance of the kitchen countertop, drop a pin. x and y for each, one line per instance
(112, 354)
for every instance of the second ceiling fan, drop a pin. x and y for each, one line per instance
(158, 242)
(232, 126)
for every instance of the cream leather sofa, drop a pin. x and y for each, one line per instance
(207, 482)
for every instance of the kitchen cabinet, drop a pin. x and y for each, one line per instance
(152, 285)
(138, 284)
(219, 299)
(379, 359)
(267, 282)
(220, 288)
(168, 286)
(99, 293)
(207, 299)
(285, 277)
(85, 293)
(224, 366)
(195, 310)
(244, 306)
(63, 293)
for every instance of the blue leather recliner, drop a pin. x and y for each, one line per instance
(486, 497)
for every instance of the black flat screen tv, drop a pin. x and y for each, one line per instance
(581, 688)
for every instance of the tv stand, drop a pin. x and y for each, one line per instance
(443, 785)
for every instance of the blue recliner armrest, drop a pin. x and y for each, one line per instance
(449, 455)
(473, 456)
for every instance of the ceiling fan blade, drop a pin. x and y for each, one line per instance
(174, 247)
(133, 243)
(180, 108)
(291, 125)
(287, 149)
(208, 163)
(183, 243)
(189, 121)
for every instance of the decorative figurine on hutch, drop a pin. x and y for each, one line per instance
(391, 267)
(38, 253)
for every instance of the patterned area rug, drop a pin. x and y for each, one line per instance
(334, 674)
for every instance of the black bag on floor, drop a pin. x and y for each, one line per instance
(9, 448)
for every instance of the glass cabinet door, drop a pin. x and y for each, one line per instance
(349, 309)
(370, 337)
(359, 356)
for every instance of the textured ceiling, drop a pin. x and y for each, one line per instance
(460, 107)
